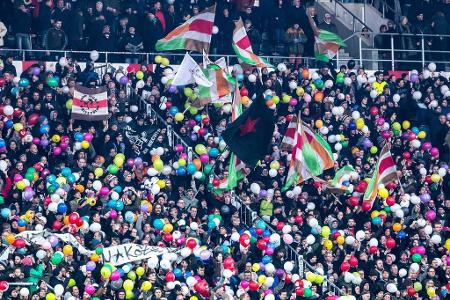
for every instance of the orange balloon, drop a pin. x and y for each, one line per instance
(318, 96)
(79, 188)
(66, 220)
(21, 229)
(10, 238)
(340, 240)
(95, 257)
(245, 100)
(150, 208)
(269, 102)
(197, 163)
(155, 157)
(305, 73)
(397, 227)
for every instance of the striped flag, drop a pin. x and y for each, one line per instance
(385, 172)
(311, 154)
(339, 184)
(90, 104)
(327, 44)
(195, 34)
(243, 47)
(219, 92)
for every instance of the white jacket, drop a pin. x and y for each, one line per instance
(3, 31)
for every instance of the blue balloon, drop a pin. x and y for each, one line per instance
(22, 223)
(72, 178)
(2, 143)
(14, 91)
(198, 118)
(112, 204)
(62, 208)
(158, 224)
(225, 249)
(240, 77)
(415, 130)
(121, 272)
(266, 259)
(401, 234)
(314, 231)
(187, 274)
(214, 152)
(266, 232)
(119, 205)
(173, 111)
(129, 217)
(9, 124)
(191, 168)
(118, 189)
(23, 82)
(66, 172)
(5, 212)
(79, 137)
(276, 281)
(181, 171)
(252, 231)
(352, 126)
(177, 272)
(44, 129)
(211, 224)
(261, 224)
(51, 178)
(376, 221)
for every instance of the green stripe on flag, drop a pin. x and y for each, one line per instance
(172, 44)
(331, 37)
(323, 143)
(341, 172)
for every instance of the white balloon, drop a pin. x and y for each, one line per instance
(416, 144)
(63, 61)
(155, 189)
(312, 222)
(396, 98)
(58, 289)
(360, 235)
(315, 76)
(415, 199)
(328, 84)
(95, 227)
(442, 172)
(215, 29)
(165, 264)
(227, 273)
(421, 222)
(134, 108)
(194, 226)
(436, 239)
(347, 81)
(361, 79)
(423, 171)
(348, 277)
(53, 207)
(170, 285)
(414, 267)
(434, 104)
(8, 110)
(402, 272)
(288, 266)
(255, 188)
(292, 84)
(324, 130)
(417, 95)
(391, 288)
(238, 69)
(338, 147)
(252, 78)
(269, 269)
(185, 252)
(287, 228)
(349, 240)
(94, 55)
(310, 239)
(356, 115)
(428, 229)
(400, 213)
(164, 80)
(432, 67)
(152, 172)
(41, 254)
(24, 292)
(235, 236)
(373, 242)
(373, 94)
(281, 67)
(273, 173)
(3, 165)
(426, 74)
(97, 185)
(371, 79)
(167, 170)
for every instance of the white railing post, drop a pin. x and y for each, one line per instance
(360, 50)
(392, 53)
(423, 52)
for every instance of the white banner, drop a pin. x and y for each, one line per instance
(116, 255)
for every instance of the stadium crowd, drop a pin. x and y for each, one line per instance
(122, 181)
(274, 27)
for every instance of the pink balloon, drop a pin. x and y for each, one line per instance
(179, 147)
(89, 289)
(244, 284)
(287, 238)
(112, 214)
(17, 177)
(293, 102)
(380, 121)
(448, 260)
(36, 140)
(426, 146)
(130, 162)
(57, 151)
(421, 250)
(430, 215)
(114, 276)
(183, 156)
(63, 146)
(88, 137)
(204, 158)
(269, 251)
(46, 245)
(307, 98)
(104, 191)
(434, 152)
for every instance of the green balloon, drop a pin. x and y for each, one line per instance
(57, 258)
(29, 176)
(307, 292)
(210, 186)
(200, 149)
(31, 170)
(99, 251)
(131, 275)
(344, 144)
(2, 200)
(417, 286)
(416, 257)
(113, 169)
(51, 189)
(52, 82)
(387, 209)
(207, 169)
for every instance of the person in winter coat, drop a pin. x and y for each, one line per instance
(132, 43)
(55, 38)
(76, 31)
(327, 24)
(22, 27)
(3, 32)
(278, 26)
(106, 42)
(254, 36)
(295, 39)
(152, 31)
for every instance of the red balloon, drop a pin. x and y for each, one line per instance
(80, 222)
(254, 286)
(244, 240)
(244, 92)
(406, 155)
(191, 244)
(299, 284)
(33, 119)
(168, 104)
(19, 243)
(345, 266)
(202, 288)
(3, 284)
(73, 218)
(216, 182)
(17, 112)
(289, 117)
(353, 201)
(259, 231)
(205, 121)
(373, 249)
(298, 219)
(411, 291)
(336, 234)
(261, 244)
(57, 225)
(353, 261)
(280, 225)
(299, 292)
(366, 206)
(167, 237)
(170, 277)
(2, 81)
(374, 110)
(413, 250)
(201, 131)
(228, 263)
(390, 243)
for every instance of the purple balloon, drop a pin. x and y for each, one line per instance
(414, 77)
(90, 266)
(44, 143)
(123, 80)
(279, 273)
(172, 88)
(193, 137)
(138, 161)
(367, 143)
(263, 193)
(36, 71)
(425, 198)
(28, 195)
(53, 240)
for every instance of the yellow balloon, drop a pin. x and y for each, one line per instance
(158, 59)
(18, 126)
(146, 285)
(85, 144)
(128, 284)
(118, 161)
(121, 155)
(431, 292)
(165, 62)
(179, 117)
(182, 162)
(340, 240)
(325, 231)
(359, 123)
(20, 185)
(319, 279)
(435, 178)
(447, 244)
(255, 267)
(299, 91)
(140, 271)
(261, 279)
(129, 294)
(158, 164)
(406, 124)
(167, 228)
(383, 193)
(56, 138)
(328, 244)
(374, 214)
(421, 134)
(50, 296)
(67, 250)
(310, 276)
(98, 172)
(161, 183)
(193, 298)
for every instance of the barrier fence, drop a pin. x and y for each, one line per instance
(247, 216)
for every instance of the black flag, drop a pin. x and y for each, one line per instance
(250, 134)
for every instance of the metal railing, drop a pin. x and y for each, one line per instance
(340, 10)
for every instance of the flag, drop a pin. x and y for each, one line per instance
(327, 44)
(219, 91)
(243, 48)
(194, 34)
(385, 172)
(339, 183)
(311, 154)
(90, 104)
(250, 134)
(190, 72)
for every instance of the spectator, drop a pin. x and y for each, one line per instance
(278, 25)
(254, 36)
(3, 32)
(61, 12)
(75, 31)
(152, 31)
(172, 18)
(159, 15)
(44, 20)
(383, 42)
(295, 40)
(132, 42)
(55, 38)
(422, 29)
(22, 27)
(106, 42)
(225, 25)
(327, 24)
(440, 27)
(405, 42)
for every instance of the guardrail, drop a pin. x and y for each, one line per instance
(246, 214)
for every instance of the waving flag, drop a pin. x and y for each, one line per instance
(90, 104)
(339, 184)
(243, 47)
(327, 44)
(195, 34)
(385, 172)
(311, 154)
(190, 72)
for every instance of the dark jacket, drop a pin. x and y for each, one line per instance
(55, 39)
